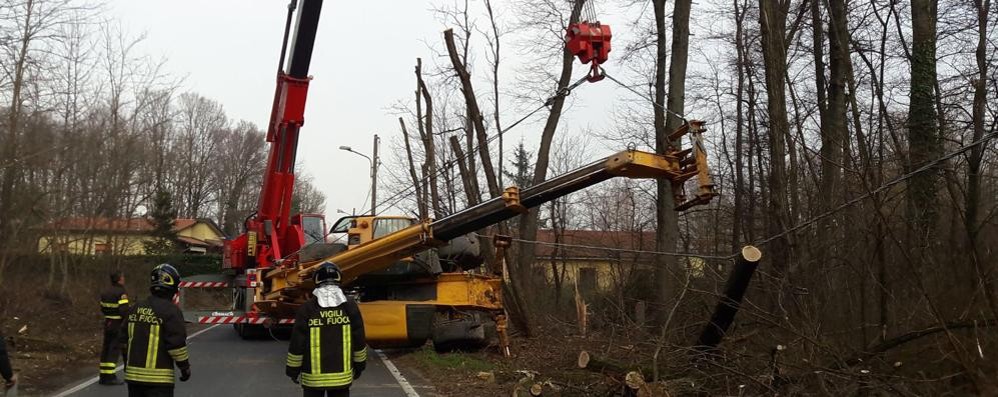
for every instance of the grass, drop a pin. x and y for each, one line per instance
(463, 361)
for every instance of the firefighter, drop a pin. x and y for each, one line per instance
(156, 338)
(327, 350)
(113, 303)
(6, 372)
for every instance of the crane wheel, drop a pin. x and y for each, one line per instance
(250, 331)
(464, 334)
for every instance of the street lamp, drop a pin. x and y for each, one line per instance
(374, 171)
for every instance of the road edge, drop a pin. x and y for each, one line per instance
(88, 382)
(406, 387)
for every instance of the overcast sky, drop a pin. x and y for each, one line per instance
(362, 65)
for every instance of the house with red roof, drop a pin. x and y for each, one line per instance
(125, 236)
(597, 260)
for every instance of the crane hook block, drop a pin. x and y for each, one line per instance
(590, 42)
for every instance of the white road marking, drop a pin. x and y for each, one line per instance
(406, 387)
(88, 382)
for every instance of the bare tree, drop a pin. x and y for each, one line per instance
(200, 121)
(237, 161)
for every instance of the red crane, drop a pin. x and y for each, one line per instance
(271, 233)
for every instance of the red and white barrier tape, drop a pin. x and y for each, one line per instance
(204, 284)
(239, 320)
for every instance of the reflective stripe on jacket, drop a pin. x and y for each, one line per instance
(114, 302)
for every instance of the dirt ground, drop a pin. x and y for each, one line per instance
(549, 359)
(56, 346)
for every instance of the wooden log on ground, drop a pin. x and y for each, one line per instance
(590, 362)
(727, 307)
(635, 385)
(528, 388)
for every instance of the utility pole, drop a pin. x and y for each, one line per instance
(374, 171)
(374, 177)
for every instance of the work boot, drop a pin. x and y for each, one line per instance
(110, 380)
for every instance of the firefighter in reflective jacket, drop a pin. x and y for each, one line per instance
(327, 350)
(113, 304)
(157, 340)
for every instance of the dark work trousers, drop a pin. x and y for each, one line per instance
(326, 392)
(111, 350)
(136, 390)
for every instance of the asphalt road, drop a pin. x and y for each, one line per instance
(222, 364)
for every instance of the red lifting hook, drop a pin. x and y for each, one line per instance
(590, 41)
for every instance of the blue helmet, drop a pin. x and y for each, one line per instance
(164, 277)
(328, 273)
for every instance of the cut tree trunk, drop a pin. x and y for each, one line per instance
(420, 203)
(426, 133)
(635, 385)
(588, 361)
(470, 190)
(474, 112)
(727, 307)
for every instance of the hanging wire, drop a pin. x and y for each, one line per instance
(620, 250)
(588, 11)
(879, 189)
(645, 97)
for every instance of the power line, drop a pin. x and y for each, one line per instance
(621, 250)
(879, 189)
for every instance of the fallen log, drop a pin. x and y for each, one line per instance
(589, 362)
(728, 305)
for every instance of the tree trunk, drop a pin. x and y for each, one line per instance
(420, 199)
(773, 20)
(426, 132)
(474, 113)
(973, 195)
(668, 270)
(528, 222)
(470, 189)
(740, 192)
(923, 124)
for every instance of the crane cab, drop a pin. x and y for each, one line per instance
(361, 229)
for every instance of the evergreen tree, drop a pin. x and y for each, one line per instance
(522, 166)
(522, 176)
(162, 216)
